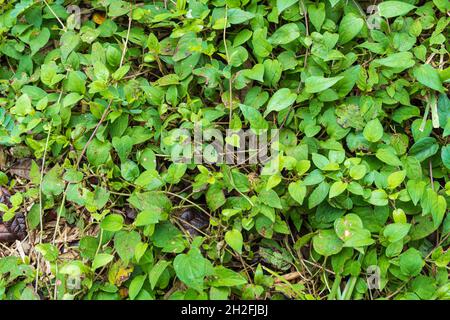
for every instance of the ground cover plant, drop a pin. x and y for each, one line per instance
(92, 97)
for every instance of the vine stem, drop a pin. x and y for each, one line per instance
(187, 200)
(54, 14)
(104, 114)
(230, 82)
(350, 286)
(41, 212)
(335, 288)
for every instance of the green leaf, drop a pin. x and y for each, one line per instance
(33, 217)
(358, 238)
(123, 146)
(415, 189)
(71, 175)
(261, 46)
(387, 155)
(272, 72)
(52, 184)
(147, 200)
(399, 216)
(29, 294)
(157, 271)
(101, 72)
(215, 197)
(136, 286)
(148, 216)
(320, 161)
(238, 56)
(235, 240)
(349, 27)
(358, 172)
(316, 84)
(285, 34)
(401, 60)
(378, 198)
(140, 250)
(121, 72)
(395, 179)
(168, 237)
(255, 73)
(97, 200)
(317, 15)
(69, 41)
(48, 251)
(327, 243)
(413, 168)
(284, 4)
(424, 148)
(373, 131)
(39, 41)
(23, 106)
(112, 222)
(224, 277)
(334, 2)
(428, 76)
(390, 9)
(129, 170)
(125, 243)
(98, 152)
(192, 268)
(424, 287)
(147, 159)
(350, 230)
(49, 74)
(253, 116)
(149, 180)
(71, 99)
(318, 195)
(411, 262)
(238, 16)
(445, 156)
(297, 191)
(396, 231)
(270, 198)
(337, 188)
(438, 209)
(302, 166)
(101, 259)
(76, 81)
(281, 100)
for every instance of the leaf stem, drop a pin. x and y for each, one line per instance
(230, 82)
(54, 14)
(41, 211)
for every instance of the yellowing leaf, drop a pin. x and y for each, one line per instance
(98, 17)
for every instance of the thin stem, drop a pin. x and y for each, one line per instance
(187, 200)
(54, 14)
(41, 213)
(335, 291)
(230, 82)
